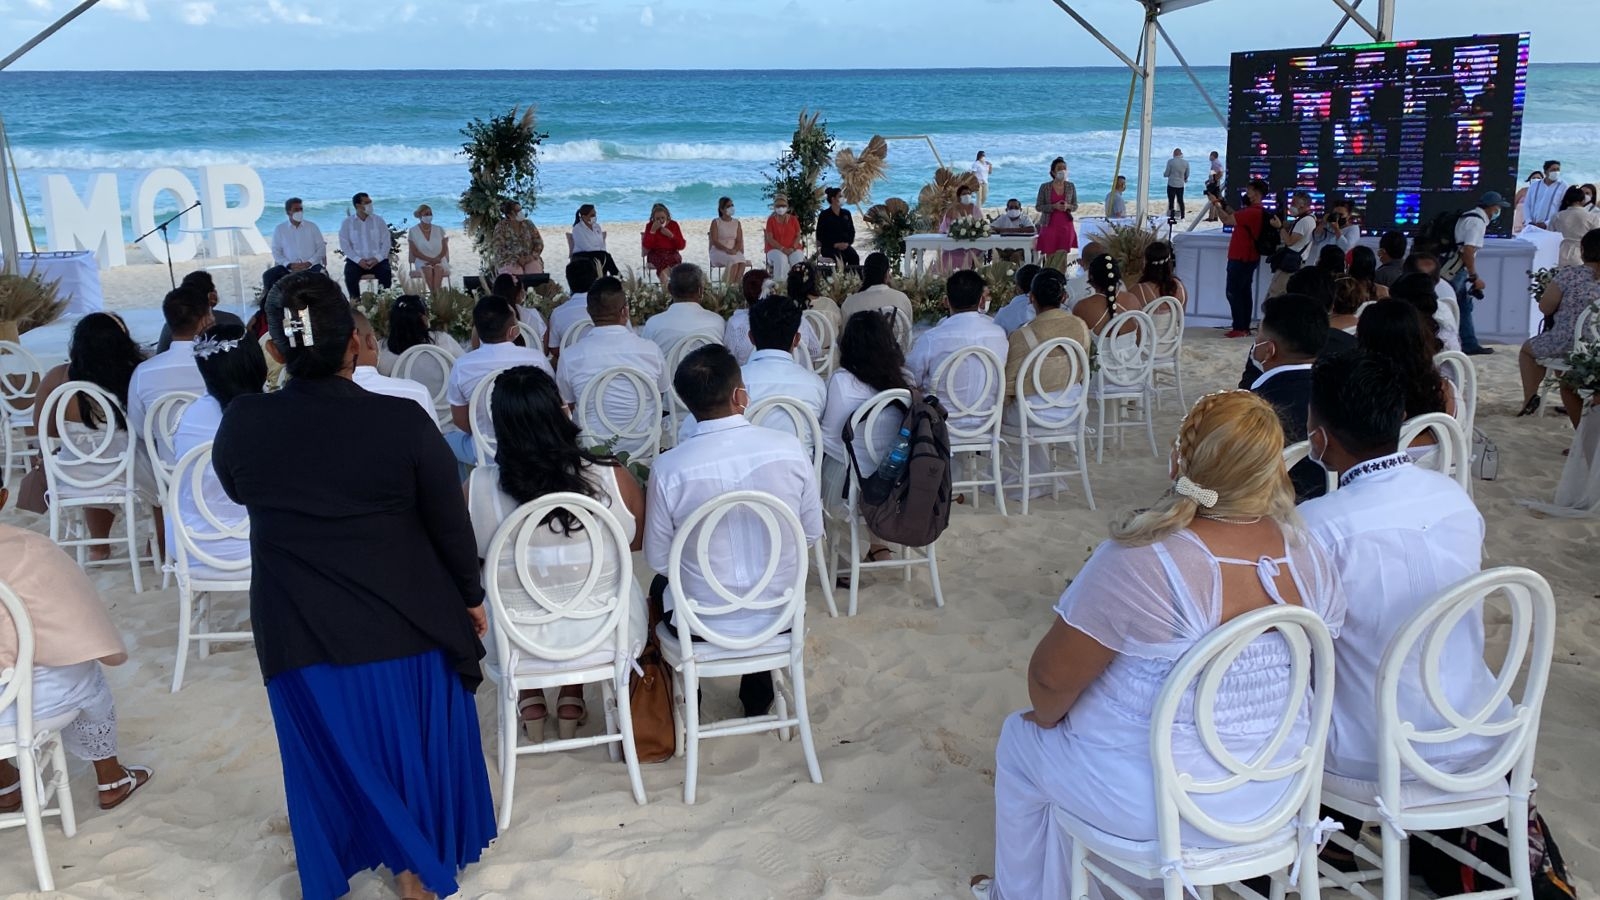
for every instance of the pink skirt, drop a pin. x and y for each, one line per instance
(1059, 234)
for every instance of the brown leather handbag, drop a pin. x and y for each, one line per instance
(655, 732)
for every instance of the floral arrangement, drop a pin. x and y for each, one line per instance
(1001, 278)
(503, 160)
(1583, 366)
(1127, 244)
(451, 312)
(376, 306)
(892, 221)
(1538, 280)
(798, 174)
(839, 287)
(28, 302)
(857, 172)
(646, 296)
(723, 299)
(969, 228)
(926, 291)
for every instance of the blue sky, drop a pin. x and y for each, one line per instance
(709, 34)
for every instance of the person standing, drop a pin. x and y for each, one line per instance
(836, 232)
(1116, 206)
(1177, 175)
(1243, 258)
(982, 168)
(297, 245)
(1214, 183)
(364, 240)
(1544, 196)
(1462, 268)
(1057, 201)
(366, 607)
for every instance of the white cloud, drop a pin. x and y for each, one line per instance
(198, 13)
(292, 15)
(40, 5)
(647, 17)
(133, 9)
(408, 12)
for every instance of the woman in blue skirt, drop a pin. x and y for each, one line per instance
(366, 608)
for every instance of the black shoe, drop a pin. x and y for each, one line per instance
(1479, 351)
(1529, 408)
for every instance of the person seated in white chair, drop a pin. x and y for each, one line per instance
(753, 287)
(187, 312)
(686, 284)
(877, 295)
(73, 637)
(726, 453)
(297, 245)
(410, 324)
(968, 325)
(612, 343)
(367, 376)
(775, 326)
(513, 291)
(589, 241)
(1050, 321)
(540, 452)
(429, 247)
(1018, 311)
(495, 323)
(1170, 575)
(781, 239)
(582, 273)
(1398, 535)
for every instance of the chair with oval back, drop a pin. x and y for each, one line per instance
(1451, 454)
(971, 383)
(479, 414)
(210, 552)
(622, 407)
(1125, 380)
(676, 411)
(575, 333)
(20, 375)
(793, 417)
(160, 427)
(1048, 419)
(429, 366)
(1167, 314)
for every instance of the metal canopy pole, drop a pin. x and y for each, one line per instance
(1343, 21)
(1386, 20)
(1147, 112)
(1095, 33)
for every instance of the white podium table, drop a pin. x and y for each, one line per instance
(918, 245)
(76, 273)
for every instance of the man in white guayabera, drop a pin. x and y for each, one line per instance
(297, 245)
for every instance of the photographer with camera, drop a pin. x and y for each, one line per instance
(1255, 233)
(1337, 227)
(1461, 264)
(1298, 235)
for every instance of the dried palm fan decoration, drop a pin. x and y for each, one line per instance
(939, 196)
(858, 172)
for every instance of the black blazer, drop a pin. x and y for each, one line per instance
(1290, 394)
(360, 543)
(1338, 342)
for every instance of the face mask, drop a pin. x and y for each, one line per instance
(589, 221)
(1552, 177)
(522, 216)
(1495, 215)
(1313, 453)
(782, 211)
(1253, 347)
(426, 220)
(730, 212)
(1589, 199)
(965, 199)
(1014, 213)
(1061, 175)
(296, 217)
(366, 209)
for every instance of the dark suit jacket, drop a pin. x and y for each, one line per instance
(1338, 342)
(1290, 394)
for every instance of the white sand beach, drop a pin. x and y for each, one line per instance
(907, 701)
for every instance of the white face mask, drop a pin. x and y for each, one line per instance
(965, 199)
(590, 220)
(781, 210)
(296, 217)
(1552, 177)
(426, 220)
(1061, 175)
(366, 209)
(1014, 213)
(1313, 453)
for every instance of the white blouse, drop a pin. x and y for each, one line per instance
(588, 240)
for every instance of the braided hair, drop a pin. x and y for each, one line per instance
(1105, 276)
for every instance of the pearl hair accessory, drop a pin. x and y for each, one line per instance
(1186, 488)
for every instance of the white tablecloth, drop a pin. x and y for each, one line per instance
(50, 343)
(1501, 317)
(918, 245)
(77, 273)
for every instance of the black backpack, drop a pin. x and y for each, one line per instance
(915, 510)
(1439, 235)
(1267, 240)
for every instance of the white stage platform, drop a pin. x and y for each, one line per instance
(50, 343)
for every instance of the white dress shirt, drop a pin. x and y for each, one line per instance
(878, 298)
(774, 373)
(939, 343)
(725, 455)
(364, 238)
(1015, 314)
(572, 311)
(534, 319)
(1399, 535)
(166, 372)
(678, 321)
(606, 347)
(736, 337)
(1116, 206)
(1269, 374)
(301, 243)
(370, 380)
(476, 365)
(588, 240)
(1543, 201)
(1013, 219)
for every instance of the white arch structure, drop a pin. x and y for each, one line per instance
(1143, 62)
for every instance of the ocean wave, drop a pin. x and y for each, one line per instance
(673, 151)
(374, 155)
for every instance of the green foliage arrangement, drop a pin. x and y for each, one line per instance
(798, 174)
(503, 159)
(892, 221)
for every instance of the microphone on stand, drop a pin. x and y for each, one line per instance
(166, 239)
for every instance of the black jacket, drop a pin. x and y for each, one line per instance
(1290, 394)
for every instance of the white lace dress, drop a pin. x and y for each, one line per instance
(1150, 605)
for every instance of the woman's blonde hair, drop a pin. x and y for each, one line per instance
(660, 208)
(421, 208)
(1230, 443)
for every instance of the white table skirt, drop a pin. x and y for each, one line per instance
(1502, 317)
(50, 343)
(77, 273)
(918, 245)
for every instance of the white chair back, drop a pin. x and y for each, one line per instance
(786, 602)
(1450, 304)
(875, 425)
(160, 427)
(902, 329)
(1586, 328)
(1166, 313)
(1458, 369)
(1299, 451)
(607, 545)
(197, 538)
(790, 415)
(619, 388)
(575, 333)
(677, 411)
(428, 366)
(1127, 360)
(16, 682)
(1047, 410)
(1532, 641)
(971, 384)
(822, 325)
(530, 336)
(1193, 686)
(96, 464)
(20, 374)
(1452, 450)
(482, 419)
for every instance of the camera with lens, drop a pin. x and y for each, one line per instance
(1475, 293)
(1214, 189)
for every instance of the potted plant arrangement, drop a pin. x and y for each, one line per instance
(27, 302)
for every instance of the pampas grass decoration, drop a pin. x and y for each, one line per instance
(30, 301)
(939, 196)
(857, 172)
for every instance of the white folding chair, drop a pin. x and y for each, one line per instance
(160, 427)
(822, 325)
(575, 333)
(1049, 419)
(31, 745)
(530, 336)
(89, 470)
(1413, 796)
(873, 445)
(1125, 381)
(20, 374)
(620, 388)
(789, 415)
(1451, 454)
(1285, 836)
(1585, 330)
(1450, 304)
(703, 648)
(1301, 450)
(479, 414)
(196, 542)
(971, 383)
(428, 366)
(522, 608)
(676, 411)
(1167, 314)
(1458, 369)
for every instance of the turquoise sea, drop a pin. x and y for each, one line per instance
(624, 140)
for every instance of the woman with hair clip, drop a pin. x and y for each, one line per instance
(1099, 308)
(367, 610)
(1221, 542)
(1158, 278)
(540, 451)
(589, 239)
(410, 324)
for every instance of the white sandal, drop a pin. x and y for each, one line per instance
(568, 728)
(533, 729)
(130, 780)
